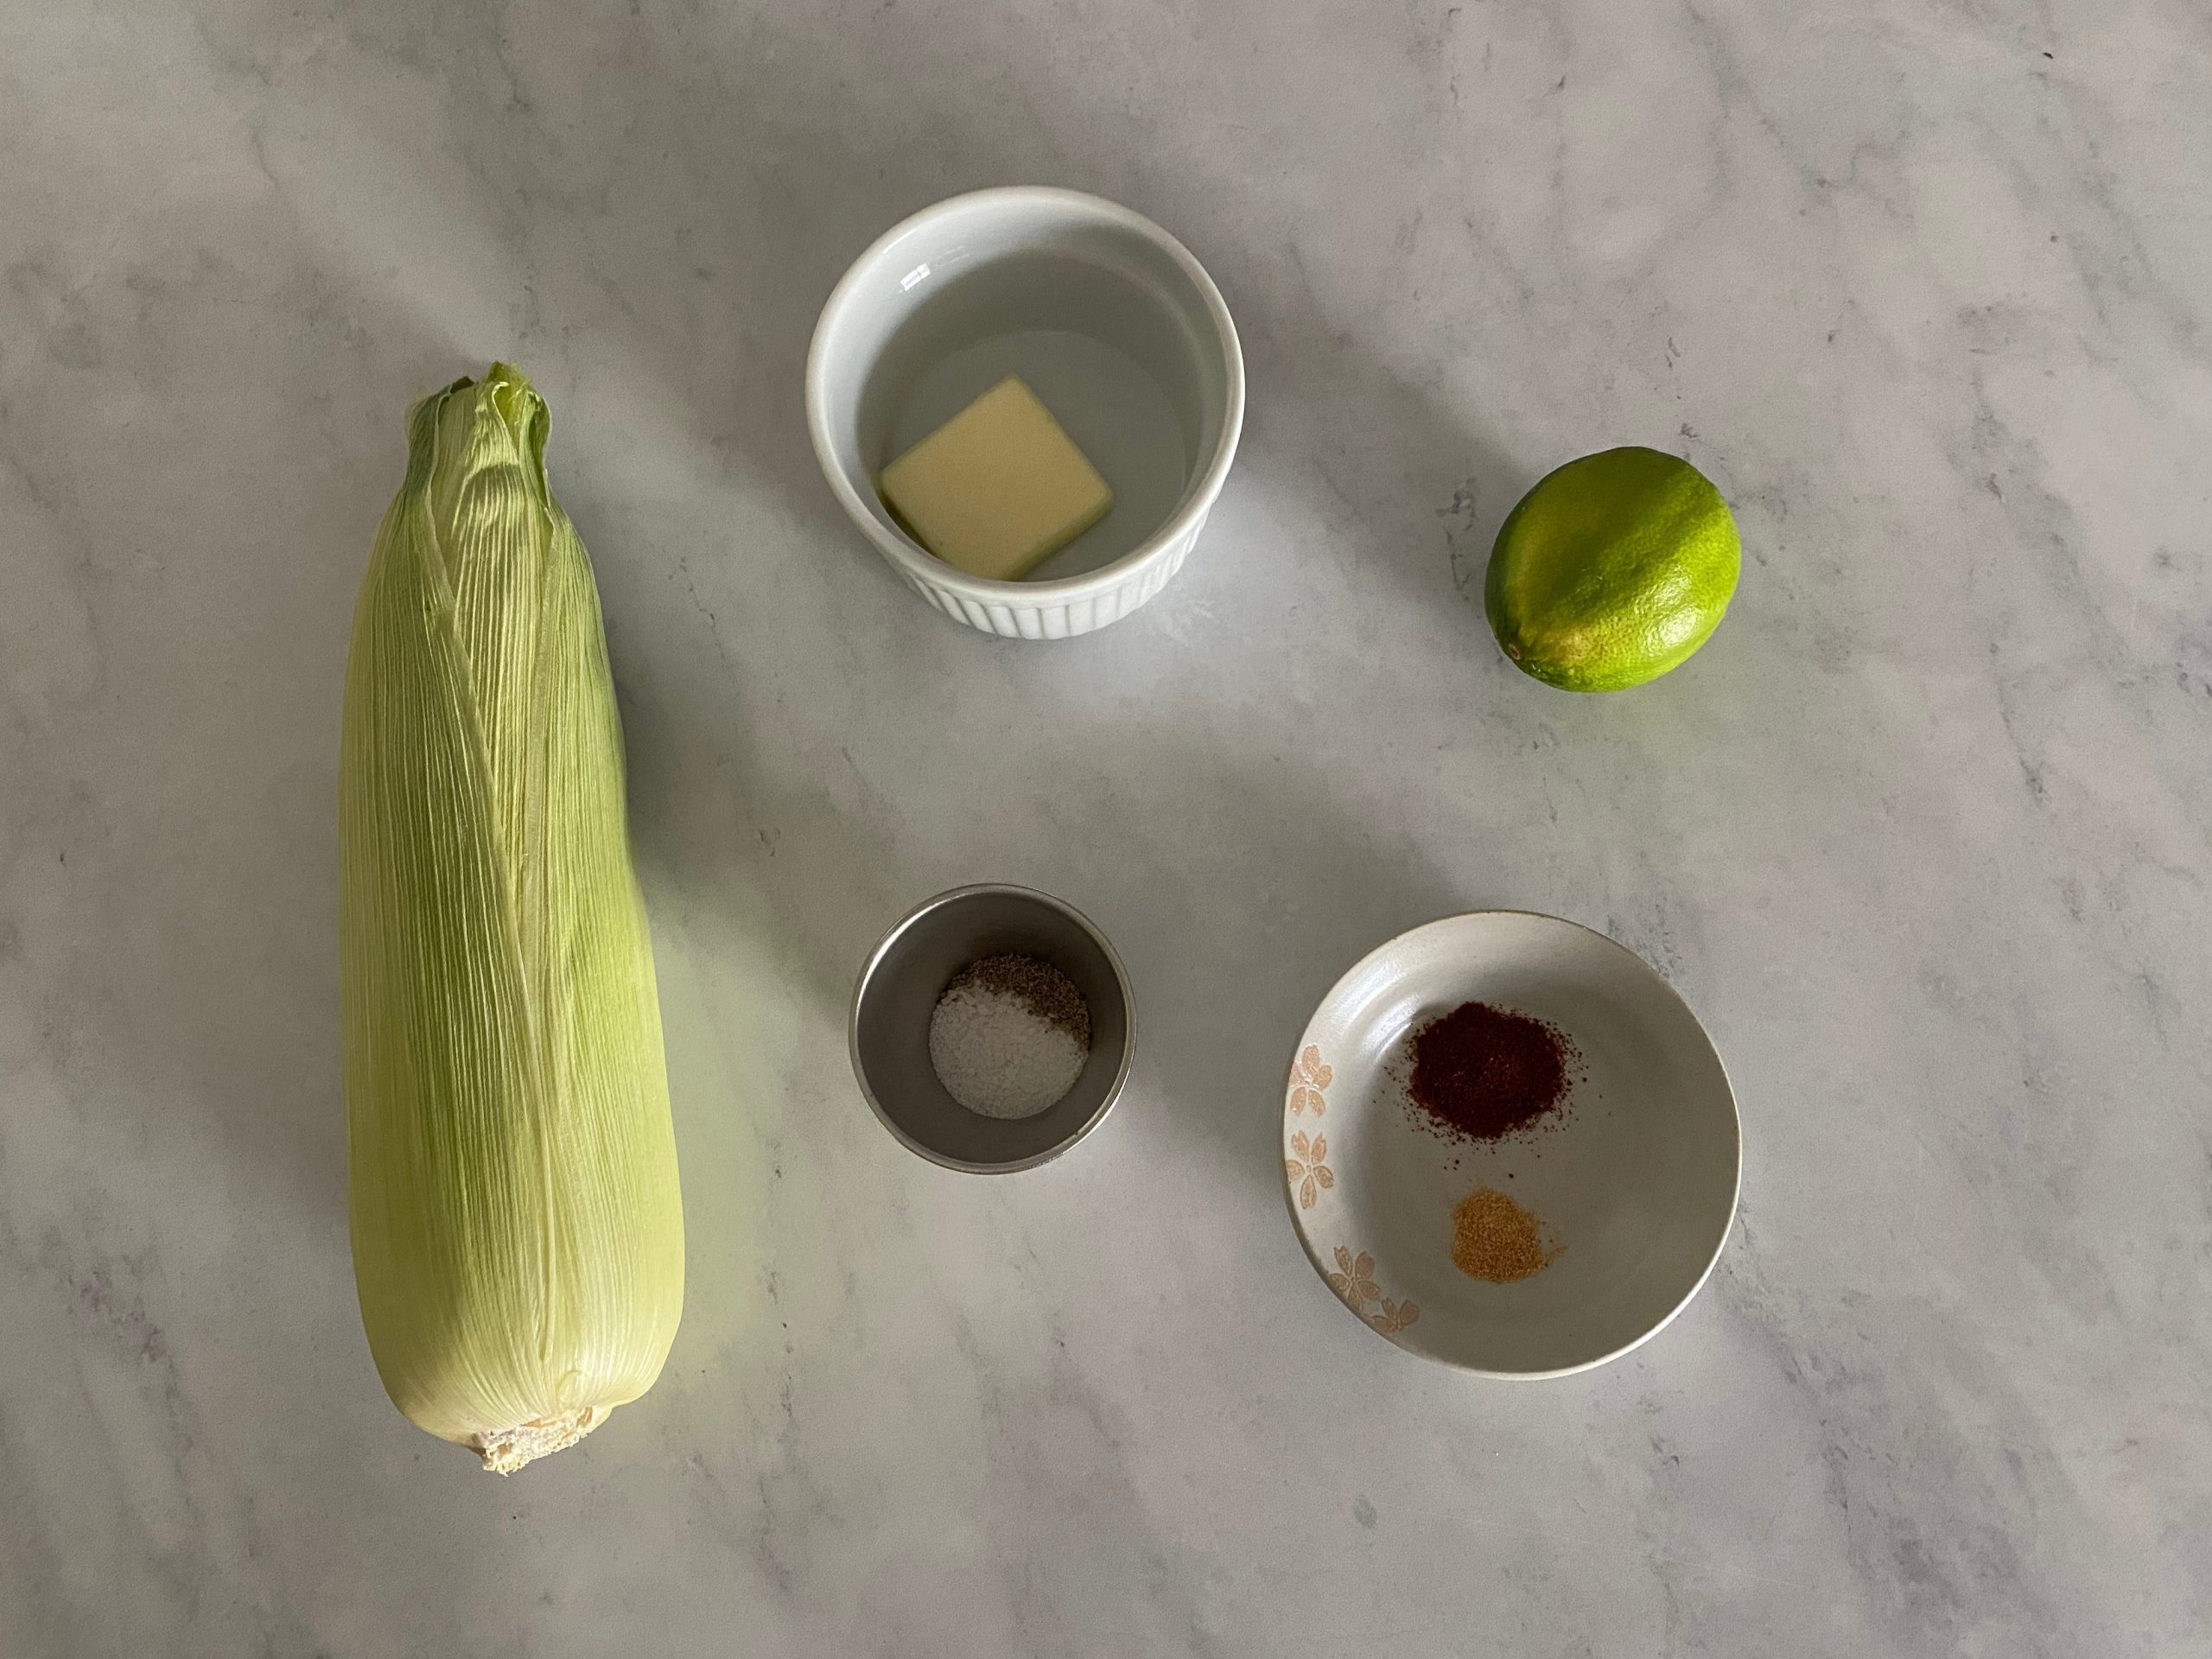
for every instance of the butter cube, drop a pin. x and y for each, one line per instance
(997, 488)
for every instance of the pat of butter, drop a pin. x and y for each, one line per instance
(997, 488)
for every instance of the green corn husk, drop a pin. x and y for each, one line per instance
(518, 1230)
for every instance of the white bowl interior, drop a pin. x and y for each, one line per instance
(1636, 1183)
(1083, 301)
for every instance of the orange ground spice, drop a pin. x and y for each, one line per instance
(1494, 1238)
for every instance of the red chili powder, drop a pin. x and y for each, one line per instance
(1482, 1073)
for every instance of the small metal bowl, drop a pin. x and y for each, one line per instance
(898, 990)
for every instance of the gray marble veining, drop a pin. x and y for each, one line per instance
(1922, 833)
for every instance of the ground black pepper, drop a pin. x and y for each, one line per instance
(1044, 989)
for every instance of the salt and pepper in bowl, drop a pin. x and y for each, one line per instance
(992, 1028)
(1010, 1037)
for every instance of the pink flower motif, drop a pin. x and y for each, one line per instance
(1307, 1079)
(1307, 1170)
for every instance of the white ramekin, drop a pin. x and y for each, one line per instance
(947, 243)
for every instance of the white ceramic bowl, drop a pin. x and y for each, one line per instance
(1114, 326)
(1635, 1184)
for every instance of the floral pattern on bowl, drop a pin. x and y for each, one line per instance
(1308, 1077)
(1354, 1280)
(1307, 1177)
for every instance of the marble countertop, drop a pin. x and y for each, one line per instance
(1923, 833)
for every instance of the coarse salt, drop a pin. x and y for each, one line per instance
(994, 1051)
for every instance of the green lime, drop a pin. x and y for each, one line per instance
(1613, 571)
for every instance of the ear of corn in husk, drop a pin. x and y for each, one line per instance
(518, 1231)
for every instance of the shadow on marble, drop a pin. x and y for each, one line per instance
(1408, 489)
(197, 978)
(1405, 486)
(1225, 971)
(1404, 506)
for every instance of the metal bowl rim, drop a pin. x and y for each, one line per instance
(953, 895)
